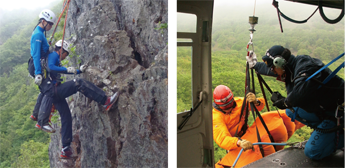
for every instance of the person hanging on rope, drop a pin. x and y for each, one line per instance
(231, 132)
(309, 102)
(55, 93)
(39, 50)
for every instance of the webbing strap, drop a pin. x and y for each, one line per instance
(264, 124)
(257, 131)
(263, 92)
(242, 109)
(244, 127)
(253, 84)
(335, 59)
(333, 73)
(263, 81)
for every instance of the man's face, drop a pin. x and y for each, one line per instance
(64, 55)
(227, 110)
(48, 25)
(278, 71)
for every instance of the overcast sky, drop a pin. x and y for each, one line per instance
(27, 4)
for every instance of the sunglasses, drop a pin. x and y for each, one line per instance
(50, 23)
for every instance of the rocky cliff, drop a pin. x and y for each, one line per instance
(127, 54)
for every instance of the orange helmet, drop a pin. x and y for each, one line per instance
(223, 97)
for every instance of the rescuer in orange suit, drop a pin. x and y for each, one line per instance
(226, 114)
(226, 122)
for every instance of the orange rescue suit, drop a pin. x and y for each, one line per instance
(225, 125)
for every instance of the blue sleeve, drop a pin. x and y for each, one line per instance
(36, 43)
(53, 61)
(262, 69)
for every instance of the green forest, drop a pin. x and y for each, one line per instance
(21, 144)
(230, 36)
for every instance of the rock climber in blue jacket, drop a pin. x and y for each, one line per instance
(313, 104)
(39, 49)
(55, 93)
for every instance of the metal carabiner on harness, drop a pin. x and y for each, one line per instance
(337, 114)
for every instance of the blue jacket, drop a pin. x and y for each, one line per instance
(306, 94)
(55, 67)
(39, 48)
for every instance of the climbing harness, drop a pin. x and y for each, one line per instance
(190, 113)
(320, 8)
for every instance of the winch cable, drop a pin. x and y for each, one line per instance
(252, 21)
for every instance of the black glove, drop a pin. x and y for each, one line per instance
(280, 103)
(276, 96)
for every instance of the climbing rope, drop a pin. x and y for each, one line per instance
(57, 23)
(65, 6)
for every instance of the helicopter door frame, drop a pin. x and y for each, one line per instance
(195, 139)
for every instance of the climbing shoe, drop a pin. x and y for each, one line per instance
(66, 152)
(38, 126)
(32, 117)
(110, 101)
(47, 128)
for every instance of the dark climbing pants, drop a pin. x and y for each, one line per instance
(38, 104)
(61, 92)
(319, 144)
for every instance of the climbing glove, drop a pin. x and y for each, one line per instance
(83, 67)
(38, 79)
(245, 144)
(276, 96)
(71, 70)
(251, 59)
(280, 104)
(278, 100)
(251, 98)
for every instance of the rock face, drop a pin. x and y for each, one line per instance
(128, 55)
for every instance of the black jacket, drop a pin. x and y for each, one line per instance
(306, 95)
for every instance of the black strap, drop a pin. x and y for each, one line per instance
(263, 81)
(264, 124)
(253, 90)
(257, 131)
(188, 115)
(246, 120)
(263, 91)
(245, 125)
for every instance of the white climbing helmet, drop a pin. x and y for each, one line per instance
(66, 45)
(47, 15)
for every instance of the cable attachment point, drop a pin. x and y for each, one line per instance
(190, 112)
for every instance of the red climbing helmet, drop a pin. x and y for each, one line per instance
(223, 97)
